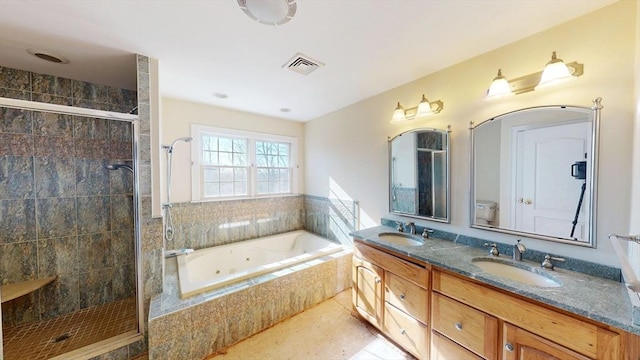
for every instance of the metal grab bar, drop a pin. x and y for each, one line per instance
(628, 273)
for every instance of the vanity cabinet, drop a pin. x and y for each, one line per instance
(393, 295)
(440, 315)
(529, 330)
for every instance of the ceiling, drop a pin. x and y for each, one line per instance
(210, 46)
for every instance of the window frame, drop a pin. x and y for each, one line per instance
(197, 179)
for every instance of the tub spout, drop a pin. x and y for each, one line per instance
(176, 252)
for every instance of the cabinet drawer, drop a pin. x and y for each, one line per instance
(417, 274)
(406, 296)
(444, 349)
(465, 325)
(408, 332)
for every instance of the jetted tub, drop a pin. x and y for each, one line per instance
(211, 268)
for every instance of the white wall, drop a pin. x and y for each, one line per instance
(349, 145)
(177, 117)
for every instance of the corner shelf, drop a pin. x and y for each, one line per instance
(13, 291)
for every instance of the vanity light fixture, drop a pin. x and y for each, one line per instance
(424, 108)
(499, 86)
(554, 72)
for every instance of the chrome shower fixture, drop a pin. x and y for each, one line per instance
(168, 220)
(118, 167)
(169, 148)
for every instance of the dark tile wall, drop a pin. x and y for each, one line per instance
(61, 212)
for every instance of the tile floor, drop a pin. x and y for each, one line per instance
(49, 338)
(327, 331)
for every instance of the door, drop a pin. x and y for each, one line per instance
(549, 188)
(519, 344)
(367, 290)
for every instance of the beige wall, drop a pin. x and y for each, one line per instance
(177, 117)
(349, 149)
(634, 218)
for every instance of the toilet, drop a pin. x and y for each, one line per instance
(485, 212)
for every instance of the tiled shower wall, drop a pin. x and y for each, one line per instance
(61, 212)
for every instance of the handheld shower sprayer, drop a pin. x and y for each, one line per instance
(169, 148)
(168, 221)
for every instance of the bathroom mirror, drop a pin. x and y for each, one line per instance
(533, 173)
(419, 174)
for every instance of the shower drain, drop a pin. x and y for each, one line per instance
(61, 338)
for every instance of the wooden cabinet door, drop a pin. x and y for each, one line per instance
(367, 290)
(519, 344)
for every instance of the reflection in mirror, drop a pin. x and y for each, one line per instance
(533, 173)
(419, 174)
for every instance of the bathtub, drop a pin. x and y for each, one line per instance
(208, 269)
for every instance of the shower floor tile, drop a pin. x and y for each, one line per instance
(53, 337)
(326, 331)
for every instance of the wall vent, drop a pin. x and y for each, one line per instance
(302, 64)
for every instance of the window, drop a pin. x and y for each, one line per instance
(235, 164)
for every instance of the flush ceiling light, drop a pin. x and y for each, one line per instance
(269, 12)
(48, 56)
(424, 108)
(555, 71)
(499, 86)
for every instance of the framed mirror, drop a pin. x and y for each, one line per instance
(419, 174)
(533, 173)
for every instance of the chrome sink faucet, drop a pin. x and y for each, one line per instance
(518, 249)
(547, 264)
(399, 226)
(412, 227)
(494, 249)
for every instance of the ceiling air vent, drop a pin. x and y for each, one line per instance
(302, 64)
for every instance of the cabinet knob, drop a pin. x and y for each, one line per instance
(458, 326)
(402, 331)
(401, 296)
(509, 347)
(378, 281)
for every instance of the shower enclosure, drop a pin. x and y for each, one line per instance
(68, 212)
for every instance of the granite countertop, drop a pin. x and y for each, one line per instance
(595, 298)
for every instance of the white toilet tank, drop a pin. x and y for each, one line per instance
(485, 211)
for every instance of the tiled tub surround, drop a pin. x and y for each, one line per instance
(204, 324)
(593, 297)
(61, 212)
(207, 224)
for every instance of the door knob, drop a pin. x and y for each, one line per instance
(520, 200)
(528, 202)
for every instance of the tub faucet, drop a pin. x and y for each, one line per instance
(176, 252)
(518, 249)
(412, 227)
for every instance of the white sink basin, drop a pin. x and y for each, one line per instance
(400, 239)
(509, 271)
